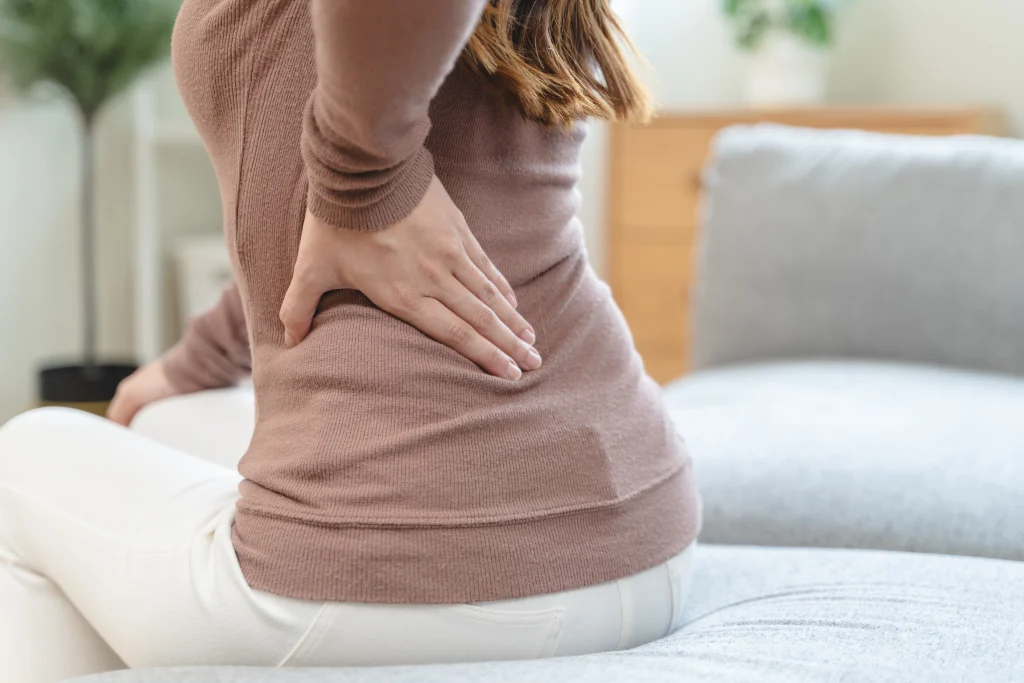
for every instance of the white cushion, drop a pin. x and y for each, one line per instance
(857, 455)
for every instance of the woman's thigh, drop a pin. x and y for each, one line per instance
(136, 536)
(215, 425)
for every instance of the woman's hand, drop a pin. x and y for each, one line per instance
(427, 270)
(146, 385)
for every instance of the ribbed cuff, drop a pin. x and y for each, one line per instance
(396, 200)
(196, 363)
(179, 366)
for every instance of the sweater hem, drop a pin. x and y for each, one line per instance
(460, 564)
(450, 522)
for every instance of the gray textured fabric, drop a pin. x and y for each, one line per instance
(764, 615)
(858, 455)
(852, 244)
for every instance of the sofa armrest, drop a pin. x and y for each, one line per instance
(853, 244)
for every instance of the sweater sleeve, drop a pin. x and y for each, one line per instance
(214, 353)
(379, 64)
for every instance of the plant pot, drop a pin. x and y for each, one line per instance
(787, 71)
(85, 387)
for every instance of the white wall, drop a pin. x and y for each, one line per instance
(914, 52)
(893, 51)
(39, 241)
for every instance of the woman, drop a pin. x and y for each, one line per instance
(421, 486)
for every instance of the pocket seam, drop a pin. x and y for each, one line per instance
(681, 582)
(552, 619)
(676, 589)
(555, 637)
(519, 619)
(307, 639)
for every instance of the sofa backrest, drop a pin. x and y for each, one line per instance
(852, 244)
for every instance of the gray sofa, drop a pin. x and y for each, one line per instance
(860, 347)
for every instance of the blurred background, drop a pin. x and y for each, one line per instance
(894, 65)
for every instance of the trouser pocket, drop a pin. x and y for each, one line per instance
(510, 634)
(377, 635)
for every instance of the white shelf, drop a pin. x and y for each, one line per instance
(148, 275)
(156, 133)
(168, 133)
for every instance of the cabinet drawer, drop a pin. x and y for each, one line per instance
(657, 182)
(651, 284)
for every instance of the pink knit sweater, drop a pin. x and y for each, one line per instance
(385, 467)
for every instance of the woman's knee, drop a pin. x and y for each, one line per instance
(38, 431)
(39, 421)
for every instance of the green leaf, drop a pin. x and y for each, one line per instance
(734, 8)
(811, 20)
(814, 25)
(752, 31)
(93, 49)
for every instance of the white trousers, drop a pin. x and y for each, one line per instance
(115, 551)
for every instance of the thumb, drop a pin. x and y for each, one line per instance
(119, 412)
(123, 408)
(299, 307)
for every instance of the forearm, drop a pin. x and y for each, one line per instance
(379, 64)
(214, 351)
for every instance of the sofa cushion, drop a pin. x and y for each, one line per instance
(765, 615)
(857, 455)
(844, 243)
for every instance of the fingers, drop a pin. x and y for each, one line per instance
(435, 320)
(122, 409)
(487, 321)
(487, 292)
(299, 306)
(487, 267)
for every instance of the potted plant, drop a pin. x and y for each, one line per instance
(91, 50)
(789, 44)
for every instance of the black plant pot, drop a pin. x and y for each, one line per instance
(86, 387)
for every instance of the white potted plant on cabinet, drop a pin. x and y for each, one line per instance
(789, 45)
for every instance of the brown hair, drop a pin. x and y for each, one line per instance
(562, 60)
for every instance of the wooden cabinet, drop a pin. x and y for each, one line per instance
(655, 190)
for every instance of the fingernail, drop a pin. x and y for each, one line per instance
(513, 371)
(512, 299)
(533, 359)
(289, 340)
(528, 336)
